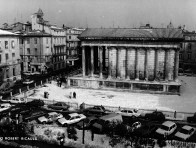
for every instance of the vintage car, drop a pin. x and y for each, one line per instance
(71, 119)
(129, 113)
(185, 132)
(167, 128)
(50, 117)
(4, 106)
(16, 100)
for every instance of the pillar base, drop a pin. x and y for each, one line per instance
(127, 78)
(146, 79)
(176, 80)
(137, 79)
(109, 78)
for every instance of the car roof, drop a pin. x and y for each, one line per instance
(73, 114)
(186, 127)
(5, 104)
(168, 123)
(52, 113)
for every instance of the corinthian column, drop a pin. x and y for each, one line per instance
(100, 62)
(83, 62)
(92, 61)
(176, 65)
(137, 64)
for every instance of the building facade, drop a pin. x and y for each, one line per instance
(187, 54)
(58, 41)
(9, 56)
(73, 45)
(131, 59)
(35, 52)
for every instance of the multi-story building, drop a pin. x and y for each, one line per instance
(144, 60)
(187, 54)
(9, 56)
(35, 52)
(73, 45)
(58, 39)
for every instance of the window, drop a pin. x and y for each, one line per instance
(7, 73)
(12, 44)
(20, 41)
(0, 58)
(69, 37)
(28, 41)
(6, 56)
(14, 73)
(180, 56)
(189, 56)
(0, 44)
(35, 40)
(6, 44)
(189, 46)
(36, 51)
(28, 50)
(13, 55)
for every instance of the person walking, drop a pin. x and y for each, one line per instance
(74, 95)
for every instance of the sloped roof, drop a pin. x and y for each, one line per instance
(4, 33)
(36, 33)
(128, 33)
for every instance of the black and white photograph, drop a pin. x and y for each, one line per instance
(98, 73)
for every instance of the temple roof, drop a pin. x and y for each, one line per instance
(128, 33)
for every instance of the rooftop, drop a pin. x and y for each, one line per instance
(3, 32)
(130, 33)
(168, 123)
(186, 127)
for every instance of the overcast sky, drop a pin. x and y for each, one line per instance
(103, 13)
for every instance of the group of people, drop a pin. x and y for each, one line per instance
(74, 95)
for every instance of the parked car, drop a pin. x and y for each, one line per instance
(185, 132)
(136, 125)
(4, 106)
(50, 117)
(35, 103)
(167, 128)
(16, 100)
(71, 119)
(87, 122)
(129, 113)
(155, 116)
(33, 115)
(192, 119)
(146, 130)
(59, 106)
(97, 110)
(188, 72)
(100, 124)
(28, 81)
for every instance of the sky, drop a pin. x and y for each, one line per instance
(103, 13)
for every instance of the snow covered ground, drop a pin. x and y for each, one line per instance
(186, 102)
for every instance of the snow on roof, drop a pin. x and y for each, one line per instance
(3, 32)
(186, 127)
(73, 114)
(168, 123)
(52, 113)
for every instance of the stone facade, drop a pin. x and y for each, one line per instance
(58, 42)
(9, 56)
(135, 64)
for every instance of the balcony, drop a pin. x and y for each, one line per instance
(59, 54)
(72, 57)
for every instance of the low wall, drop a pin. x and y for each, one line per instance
(122, 85)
